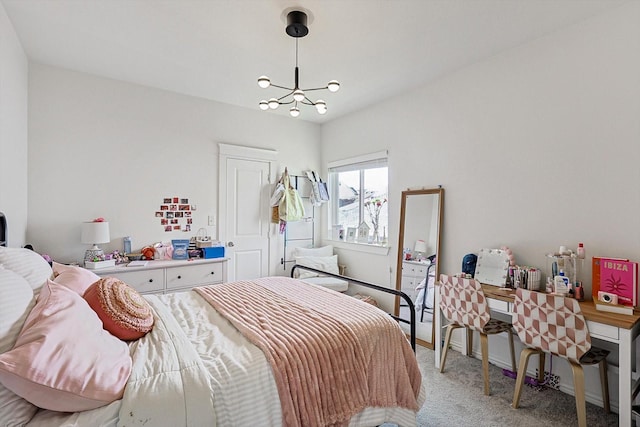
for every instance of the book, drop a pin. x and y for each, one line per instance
(613, 308)
(595, 277)
(616, 276)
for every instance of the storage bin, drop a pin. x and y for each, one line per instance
(214, 252)
(180, 248)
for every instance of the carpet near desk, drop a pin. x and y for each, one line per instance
(455, 398)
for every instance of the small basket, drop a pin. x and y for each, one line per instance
(202, 240)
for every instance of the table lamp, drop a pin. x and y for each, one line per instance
(420, 249)
(93, 233)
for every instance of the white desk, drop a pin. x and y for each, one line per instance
(619, 329)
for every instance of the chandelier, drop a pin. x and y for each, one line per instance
(296, 28)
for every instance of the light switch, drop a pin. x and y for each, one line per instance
(211, 221)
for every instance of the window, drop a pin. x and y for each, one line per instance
(358, 199)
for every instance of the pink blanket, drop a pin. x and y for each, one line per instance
(331, 355)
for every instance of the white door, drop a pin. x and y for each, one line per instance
(245, 184)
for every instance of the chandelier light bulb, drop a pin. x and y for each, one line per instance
(264, 82)
(294, 111)
(298, 95)
(333, 86)
(264, 105)
(273, 103)
(321, 106)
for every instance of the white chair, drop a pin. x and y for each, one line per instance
(321, 259)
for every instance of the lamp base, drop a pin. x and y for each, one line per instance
(93, 255)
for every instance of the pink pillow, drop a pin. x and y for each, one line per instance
(73, 277)
(63, 359)
(123, 311)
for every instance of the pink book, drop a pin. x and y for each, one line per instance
(620, 277)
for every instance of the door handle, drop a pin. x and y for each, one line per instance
(230, 244)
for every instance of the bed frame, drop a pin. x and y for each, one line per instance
(397, 293)
(3, 230)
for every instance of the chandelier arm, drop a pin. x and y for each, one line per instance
(283, 87)
(307, 101)
(315, 88)
(284, 96)
(286, 103)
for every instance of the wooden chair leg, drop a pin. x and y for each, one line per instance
(469, 342)
(513, 353)
(522, 373)
(578, 388)
(484, 346)
(447, 339)
(541, 357)
(604, 380)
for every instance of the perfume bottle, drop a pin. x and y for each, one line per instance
(126, 244)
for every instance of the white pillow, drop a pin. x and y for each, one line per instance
(28, 264)
(324, 263)
(16, 301)
(323, 251)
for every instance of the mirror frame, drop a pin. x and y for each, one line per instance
(403, 205)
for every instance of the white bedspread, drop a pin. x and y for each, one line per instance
(196, 369)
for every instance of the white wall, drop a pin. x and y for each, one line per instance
(537, 147)
(100, 147)
(13, 131)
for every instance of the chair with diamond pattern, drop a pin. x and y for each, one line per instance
(554, 324)
(464, 305)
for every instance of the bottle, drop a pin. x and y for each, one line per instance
(561, 284)
(580, 252)
(550, 287)
(127, 244)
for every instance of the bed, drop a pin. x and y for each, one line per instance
(230, 354)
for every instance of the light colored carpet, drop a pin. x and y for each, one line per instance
(455, 398)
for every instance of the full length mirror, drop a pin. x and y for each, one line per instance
(418, 248)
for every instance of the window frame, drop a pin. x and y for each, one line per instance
(360, 164)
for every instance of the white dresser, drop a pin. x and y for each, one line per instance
(169, 276)
(413, 272)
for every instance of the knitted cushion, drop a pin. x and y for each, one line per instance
(123, 311)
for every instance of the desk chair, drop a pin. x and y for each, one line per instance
(464, 305)
(555, 324)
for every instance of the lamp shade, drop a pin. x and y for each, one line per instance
(95, 232)
(421, 246)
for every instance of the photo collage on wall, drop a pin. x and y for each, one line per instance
(175, 214)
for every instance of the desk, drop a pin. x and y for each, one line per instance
(616, 328)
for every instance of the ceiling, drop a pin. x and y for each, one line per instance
(216, 49)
